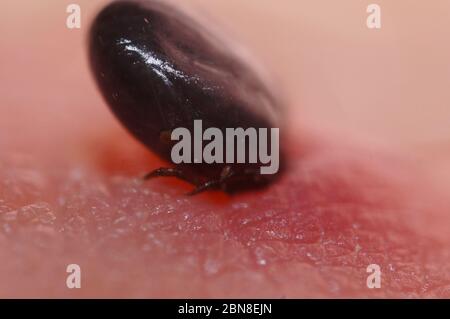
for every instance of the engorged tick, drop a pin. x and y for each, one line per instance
(158, 70)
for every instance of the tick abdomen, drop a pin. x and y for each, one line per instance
(160, 70)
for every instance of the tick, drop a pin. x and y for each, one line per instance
(159, 70)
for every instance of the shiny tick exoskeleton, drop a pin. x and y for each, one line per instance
(159, 70)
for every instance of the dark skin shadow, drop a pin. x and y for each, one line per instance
(70, 188)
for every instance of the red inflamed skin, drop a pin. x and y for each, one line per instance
(366, 180)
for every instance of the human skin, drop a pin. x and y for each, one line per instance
(367, 138)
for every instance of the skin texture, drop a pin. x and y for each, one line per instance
(368, 150)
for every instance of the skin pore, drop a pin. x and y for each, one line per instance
(368, 150)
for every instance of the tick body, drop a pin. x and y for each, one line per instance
(159, 70)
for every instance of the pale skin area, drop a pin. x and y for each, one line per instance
(369, 179)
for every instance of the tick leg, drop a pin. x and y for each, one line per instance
(225, 175)
(168, 172)
(205, 186)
